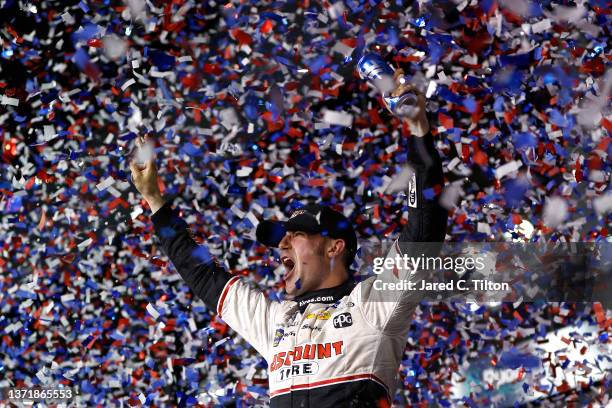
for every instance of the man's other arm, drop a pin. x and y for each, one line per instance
(227, 294)
(247, 310)
(192, 261)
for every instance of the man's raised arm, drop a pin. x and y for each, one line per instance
(426, 218)
(222, 292)
(391, 310)
(191, 260)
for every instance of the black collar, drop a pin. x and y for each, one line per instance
(327, 295)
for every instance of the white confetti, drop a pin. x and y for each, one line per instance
(569, 14)
(507, 168)
(555, 212)
(128, 83)
(484, 228)
(220, 342)
(340, 118)
(115, 48)
(137, 8)
(192, 324)
(85, 243)
(49, 132)
(518, 7)
(451, 195)
(236, 210)
(231, 149)
(252, 219)
(229, 117)
(13, 327)
(431, 88)
(541, 26)
(342, 48)
(48, 308)
(152, 311)
(137, 211)
(9, 101)
(106, 183)
(603, 204)
(67, 18)
(145, 153)
(244, 171)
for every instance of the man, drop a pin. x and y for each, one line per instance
(334, 343)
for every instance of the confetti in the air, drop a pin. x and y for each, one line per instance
(252, 108)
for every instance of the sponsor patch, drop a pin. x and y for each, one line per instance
(318, 299)
(343, 320)
(278, 336)
(320, 316)
(306, 352)
(412, 191)
(324, 315)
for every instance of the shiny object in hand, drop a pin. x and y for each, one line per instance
(375, 70)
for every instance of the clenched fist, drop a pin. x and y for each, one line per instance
(418, 122)
(144, 173)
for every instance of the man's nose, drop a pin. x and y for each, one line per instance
(284, 243)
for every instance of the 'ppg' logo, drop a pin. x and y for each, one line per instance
(343, 320)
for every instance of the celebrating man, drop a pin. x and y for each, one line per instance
(335, 343)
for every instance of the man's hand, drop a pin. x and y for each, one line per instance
(419, 125)
(144, 177)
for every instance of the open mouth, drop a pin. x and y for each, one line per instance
(288, 264)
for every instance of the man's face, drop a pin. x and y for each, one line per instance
(303, 256)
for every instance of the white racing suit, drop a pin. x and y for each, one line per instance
(336, 347)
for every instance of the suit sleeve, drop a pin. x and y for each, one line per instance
(192, 261)
(426, 218)
(388, 310)
(244, 308)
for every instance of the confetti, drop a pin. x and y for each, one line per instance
(144, 153)
(555, 212)
(339, 118)
(109, 181)
(507, 168)
(9, 101)
(603, 204)
(152, 311)
(254, 107)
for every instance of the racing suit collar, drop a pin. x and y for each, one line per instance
(327, 295)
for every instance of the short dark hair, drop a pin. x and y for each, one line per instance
(347, 258)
